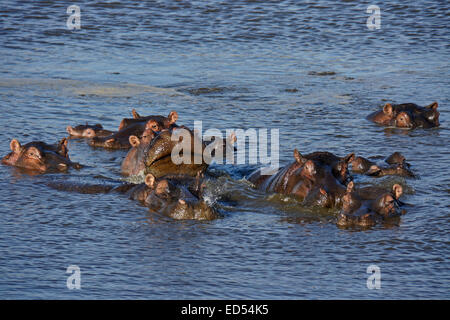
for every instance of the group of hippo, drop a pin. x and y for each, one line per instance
(318, 179)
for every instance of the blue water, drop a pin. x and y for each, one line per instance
(312, 69)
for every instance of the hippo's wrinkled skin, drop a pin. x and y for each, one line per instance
(40, 156)
(397, 165)
(88, 131)
(407, 115)
(318, 178)
(357, 211)
(163, 122)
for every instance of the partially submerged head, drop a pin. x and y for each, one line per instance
(39, 156)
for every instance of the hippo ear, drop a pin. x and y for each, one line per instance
(110, 141)
(62, 148)
(323, 191)
(134, 141)
(397, 190)
(298, 157)
(98, 125)
(350, 157)
(387, 109)
(15, 145)
(135, 114)
(62, 143)
(432, 106)
(173, 117)
(150, 180)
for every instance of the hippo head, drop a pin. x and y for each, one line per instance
(134, 161)
(385, 205)
(39, 156)
(360, 164)
(360, 219)
(198, 210)
(397, 191)
(340, 169)
(395, 169)
(84, 131)
(319, 197)
(397, 158)
(404, 120)
(431, 114)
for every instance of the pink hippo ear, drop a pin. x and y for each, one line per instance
(173, 117)
(298, 157)
(150, 180)
(397, 190)
(350, 157)
(432, 106)
(109, 142)
(387, 109)
(134, 141)
(62, 148)
(15, 145)
(135, 114)
(323, 191)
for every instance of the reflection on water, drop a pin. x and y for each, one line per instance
(312, 71)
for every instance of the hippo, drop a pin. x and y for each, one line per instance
(40, 157)
(164, 122)
(357, 211)
(88, 131)
(318, 178)
(177, 202)
(395, 169)
(407, 115)
(179, 199)
(397, 165)
(119, 139)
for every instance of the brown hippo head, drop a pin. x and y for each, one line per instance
(87, 131)
(39, 156)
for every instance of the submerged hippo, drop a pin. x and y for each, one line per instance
(357, 211)
(40, 156)
(119, 139)
(88, 131)
(178, 202)
(407, 115)
(318, 178)
(396, 165)
(163, 122)
(176, 198)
